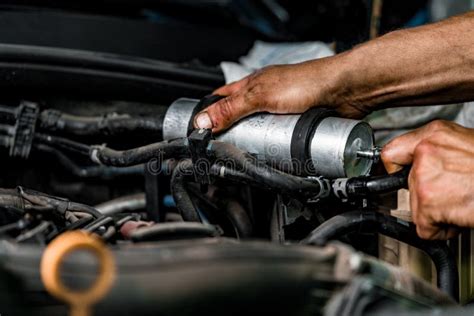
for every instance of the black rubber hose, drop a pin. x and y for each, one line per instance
(181, 196)
(62, 144)
(365, 221)
(220, 171)
(264, 174)
(183, 172)
(128, 203)
(176, 148)
(239, 219)
(80, 223)
(111, 125)
(224, 172)
(87, 172)
(363, 186)
(91, 227)
(178, 230)
(78, 207)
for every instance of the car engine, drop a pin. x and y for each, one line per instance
(110, 198)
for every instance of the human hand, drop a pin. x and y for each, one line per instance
(441, 179)
(279, 89)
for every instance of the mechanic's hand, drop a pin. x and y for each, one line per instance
(278, 89)
(441, 180)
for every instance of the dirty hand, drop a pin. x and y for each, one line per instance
(408, 67)
(277, 89)
(441, 180)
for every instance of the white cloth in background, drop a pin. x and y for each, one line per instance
(465, 117)
(264, 54)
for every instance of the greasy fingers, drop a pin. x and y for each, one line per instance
(274, 89)
(399, 152)
(441, 179)
(223, 113)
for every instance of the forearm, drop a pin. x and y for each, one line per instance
(433, 64)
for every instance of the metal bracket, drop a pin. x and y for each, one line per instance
(198, 142)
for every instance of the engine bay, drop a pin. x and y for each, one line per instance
(148, 185)
(113, 203)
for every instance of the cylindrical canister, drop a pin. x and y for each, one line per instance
(314, 143)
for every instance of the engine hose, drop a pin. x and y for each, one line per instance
(239, 218)
(181, 230)
(78, 207)
(56, 121)
(228, 174)
(62, 144)
(128, 203)
(364, 186)
(176, 148)
(103, 221)
(103, 155)
(183, 172)
(180, 193)
(365, 221)
(264, 174)
(87, 172)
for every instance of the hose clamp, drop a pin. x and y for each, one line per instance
(325, 188)
(339, 187)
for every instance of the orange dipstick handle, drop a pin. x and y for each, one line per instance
(79, 301)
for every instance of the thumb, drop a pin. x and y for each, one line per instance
(399, 152)
(223, 113)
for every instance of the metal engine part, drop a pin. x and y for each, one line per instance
(329, 146)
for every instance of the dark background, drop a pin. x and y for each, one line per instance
(189, 31)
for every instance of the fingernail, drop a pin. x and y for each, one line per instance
(203, 120)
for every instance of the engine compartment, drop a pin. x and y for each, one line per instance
(142, 180)
(281, 213)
